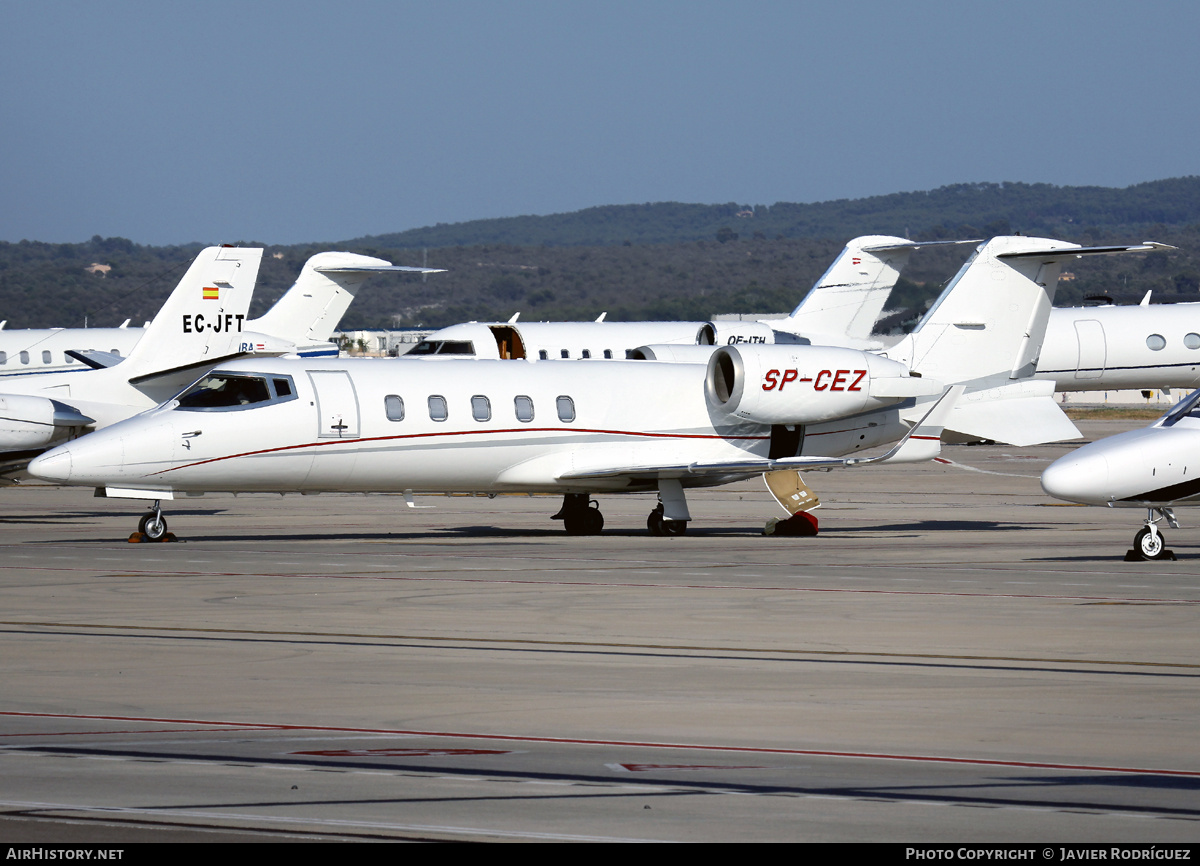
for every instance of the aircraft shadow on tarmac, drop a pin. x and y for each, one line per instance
(1024, 791)
(61, 517)
(200, 533)
(925, 526)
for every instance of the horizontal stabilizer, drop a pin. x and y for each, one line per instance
(1073, 252)
(94, 358)
(1021, 421)
(376, 269)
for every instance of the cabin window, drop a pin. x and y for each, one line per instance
(67, 359)
(1156, 342)
(46, 356)
(542, 354)
(1192, 341)
(524, 408)
(587, 353)
(3, 357)
(283, 387)
(566, 409)
(481, 408)
(24, 357)
(393, 405)
(608, 353)
(437, 408)
(564, 353)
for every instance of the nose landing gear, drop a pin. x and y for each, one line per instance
(152, 527)
(1149, 543)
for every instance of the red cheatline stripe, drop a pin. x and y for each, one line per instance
(763, 750)
(464, 433)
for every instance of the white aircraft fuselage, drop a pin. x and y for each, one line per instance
(1110, 348)
(377, 425)
(1156, 468)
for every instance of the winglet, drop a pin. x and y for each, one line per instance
(924, 441)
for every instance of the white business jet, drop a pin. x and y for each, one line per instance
(579, 429)
(202, 324)
(1155, 468)
(1109, 347)
(838, 310)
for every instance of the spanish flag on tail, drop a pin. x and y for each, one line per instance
(211, 293)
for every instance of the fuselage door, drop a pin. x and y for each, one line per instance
(1092, 350)
(337, 404)
(508, 342)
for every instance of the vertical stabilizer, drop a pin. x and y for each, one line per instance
(988, 325)
(203, 318)
(848, 298)
(309, 311)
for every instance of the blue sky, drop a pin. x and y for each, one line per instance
(286, 122)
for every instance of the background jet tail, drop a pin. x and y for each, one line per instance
(203, 319)
(309, 311)
(848, 298)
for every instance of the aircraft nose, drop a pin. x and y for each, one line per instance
(54, 465)
(1078, 477)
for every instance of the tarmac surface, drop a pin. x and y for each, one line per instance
(955, 658)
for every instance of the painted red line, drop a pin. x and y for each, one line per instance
(702, 747)
(463, 433)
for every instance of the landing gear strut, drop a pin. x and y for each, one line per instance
(580, 515)
(1149, 543)
(659, 525)
(153, 526)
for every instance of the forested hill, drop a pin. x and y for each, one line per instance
(981, 209)
(642, 262)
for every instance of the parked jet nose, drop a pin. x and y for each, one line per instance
(1081, 476)
(54, 465)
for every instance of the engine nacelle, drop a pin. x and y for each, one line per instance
(806, 384)
(735, 334)
(31, 422)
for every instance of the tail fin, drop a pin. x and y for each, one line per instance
(987, 326)
(848, 298)
(204, 317)
(309, 311)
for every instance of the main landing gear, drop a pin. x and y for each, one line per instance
(580, 515)
(659, 525)
(152, 526)
(1149, 543)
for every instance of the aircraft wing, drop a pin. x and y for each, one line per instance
(922, 442)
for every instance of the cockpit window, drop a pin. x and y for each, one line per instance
(234, 391)
(443, 347)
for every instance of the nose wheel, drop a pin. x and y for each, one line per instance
(152, 526)
(1149, 543)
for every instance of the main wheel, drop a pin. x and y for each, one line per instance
(674, 527)
(1149, 545)
(655, 522)
(583, 521)
(153, 526)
